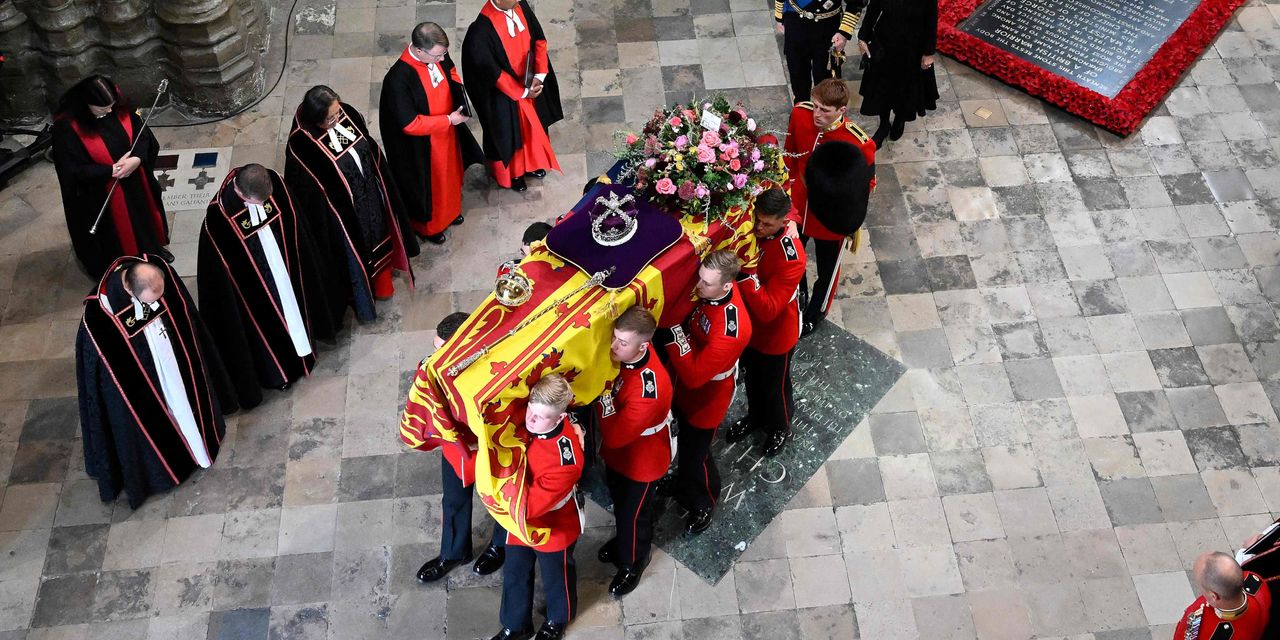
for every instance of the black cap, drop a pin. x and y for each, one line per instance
(838, 180)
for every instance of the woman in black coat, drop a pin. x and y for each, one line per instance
(93, 129)
(900, 38)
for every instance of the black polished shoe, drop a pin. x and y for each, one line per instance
(437, 568)
(738, 430)
(776, 442)
(807, 329)
(899, 127)
(537, 173)
(625, 581)
(698, 521)
(667, 486)
(490, 560)
(438, 238)
(519, 186)
(164, 253)
(550, 631)
(458, 220)
(607, 553)
(283, 387)
(507, 634)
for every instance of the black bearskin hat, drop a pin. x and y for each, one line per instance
(838, 180)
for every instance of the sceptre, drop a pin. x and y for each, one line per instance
(164, 86)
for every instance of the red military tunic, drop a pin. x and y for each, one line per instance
(802, 138)
(635, 415)
(446, 159)
(536, 151)
(554, 468)
(704, 358)
(772, 295)
(1203, 622)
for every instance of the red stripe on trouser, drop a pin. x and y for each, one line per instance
(831, 290)
(636, 518)
(564, 571)
(706, 473)
(786, 370)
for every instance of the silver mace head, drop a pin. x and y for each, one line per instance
(164, 86)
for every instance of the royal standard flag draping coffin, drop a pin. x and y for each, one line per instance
(471, 394)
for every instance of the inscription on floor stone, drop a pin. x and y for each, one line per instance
(1099, 44)
(838, 378)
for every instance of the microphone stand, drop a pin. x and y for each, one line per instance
(164, 86)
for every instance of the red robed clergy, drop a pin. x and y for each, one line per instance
(495, 54)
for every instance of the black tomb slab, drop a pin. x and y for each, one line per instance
(1098, 44)
(838, 378)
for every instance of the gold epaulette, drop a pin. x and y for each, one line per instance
(777, 10)
(805, 105)
(856, 131)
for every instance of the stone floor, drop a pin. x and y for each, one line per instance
(1090, 325)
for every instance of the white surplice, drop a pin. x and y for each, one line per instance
(284, 286)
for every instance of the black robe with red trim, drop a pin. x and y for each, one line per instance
(403, 99)
(349, 212)
(85, 182)
(483, 61)
(238, 295)
(131, 441)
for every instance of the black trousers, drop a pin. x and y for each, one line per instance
(455, 531)
(633, 514)
(559, 586)
(824, 290)
(699, 478)
(770, 402)
(807, 46)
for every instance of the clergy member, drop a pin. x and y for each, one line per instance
(93, 129)
(336, 173)
(152, 386)
(422, 113)
(513, 90)
(261, 288)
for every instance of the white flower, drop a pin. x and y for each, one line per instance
(751, 124)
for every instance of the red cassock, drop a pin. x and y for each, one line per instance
(635, 416)
(446, 160)
(772, 294)
(704, 358)
(802, 138)
(1203, 622)
(536, 151)
(554, 466)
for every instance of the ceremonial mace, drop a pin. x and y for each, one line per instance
(164, 86)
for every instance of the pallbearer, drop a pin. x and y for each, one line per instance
(637, 444)
(514, 91)
(772, 299)
(337, 176)
(554, 504)
(93, 129)
(422, 114)
(261, 288)
(152, 387)
(703, 354)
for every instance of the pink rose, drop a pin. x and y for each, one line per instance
(687, 190)
(755, 154)
(739, 180)
(650, 163)
(735, 164)
(710, 138)
(675, 122)
(631, 138)
(665, 186)
(701, 191)
(731, 150)
(682, 142)
(705, 154)
(758, 166)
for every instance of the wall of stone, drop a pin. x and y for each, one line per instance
(211, 51)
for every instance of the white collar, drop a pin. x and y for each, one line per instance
(513, 20)
(138, 312)
(257, 213)
(335, 142)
